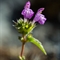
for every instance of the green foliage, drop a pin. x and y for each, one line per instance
(36, 42)
(24, 27)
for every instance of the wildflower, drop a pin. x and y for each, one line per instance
(25, 27)
(39, 17)
(27, 12)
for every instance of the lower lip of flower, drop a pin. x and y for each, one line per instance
(27, 13)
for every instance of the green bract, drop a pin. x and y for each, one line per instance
(24, 27)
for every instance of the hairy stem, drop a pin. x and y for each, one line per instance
(22, 49)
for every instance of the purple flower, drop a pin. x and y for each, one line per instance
(27, 12)
(39, 17)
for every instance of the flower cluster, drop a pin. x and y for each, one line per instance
(25, 27)
(28, 14)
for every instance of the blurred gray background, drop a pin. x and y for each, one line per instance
(48, 34)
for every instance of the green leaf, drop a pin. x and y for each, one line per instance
(37, 43)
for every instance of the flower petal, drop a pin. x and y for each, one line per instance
(40, 10)
(27, 5)
(39, 18)
(27, 13)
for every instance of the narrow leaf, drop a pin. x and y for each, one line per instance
(37, 43)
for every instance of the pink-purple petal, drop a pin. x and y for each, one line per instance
(40, 10)
(39, 18)
(27, 5)
(27, 13)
